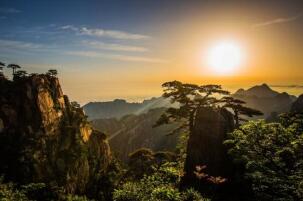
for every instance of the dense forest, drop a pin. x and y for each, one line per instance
(219, 148)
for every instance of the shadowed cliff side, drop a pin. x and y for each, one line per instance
(208, 167)
(205, 145)
(297, 106)
(45, 138)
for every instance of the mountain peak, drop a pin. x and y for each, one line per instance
(264, 85)
(262, 90)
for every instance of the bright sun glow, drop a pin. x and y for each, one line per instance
(225, 57)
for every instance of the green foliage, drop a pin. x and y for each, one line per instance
(35, 192)
(76, 198)
(20, 74)
(75, 104)
(52, 72)
(167, 193)
(8, 192)
(140, 162)
(182, 147)
(192, 195)
(273, 157)
(162, 185)
(144, 161)
(14, 67)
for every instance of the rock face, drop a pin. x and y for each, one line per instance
(43, 138)
(205, 144)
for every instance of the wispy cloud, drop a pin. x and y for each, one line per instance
(4, 44)
(114, 46)
(288, 86)
(119, 57)
(276, 21)
(9, 10)
(26, 47)
(104, 33)
(3, 17)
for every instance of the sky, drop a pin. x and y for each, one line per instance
(126, 49)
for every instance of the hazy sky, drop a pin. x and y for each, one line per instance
(127, 49)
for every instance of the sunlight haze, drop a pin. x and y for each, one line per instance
(109, 51)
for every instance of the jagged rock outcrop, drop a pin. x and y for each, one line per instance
(205, 144)
(43, 138)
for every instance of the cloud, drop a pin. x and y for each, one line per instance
(277, 21)
(3, 17)
(11, 44)
(287, 86)
(25, 47)
(9, 10)
(114, 47)
(70, 27)
(119, 57)
(104, 33)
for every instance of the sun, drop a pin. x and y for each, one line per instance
(225, 57)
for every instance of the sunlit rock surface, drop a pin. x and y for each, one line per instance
(44, 139)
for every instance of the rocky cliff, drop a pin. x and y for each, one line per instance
(205, 144)
(44, 138)
(208, 167)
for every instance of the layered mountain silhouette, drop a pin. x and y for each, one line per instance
(132, 132)
(130, 125)
(263, 98)
(119, 107)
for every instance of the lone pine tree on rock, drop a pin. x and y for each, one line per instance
(191, 97)
(14, 67)
(52, 72)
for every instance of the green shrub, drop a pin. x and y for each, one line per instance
(8, 192)
(192, 195)
(76, 198)
(162, 185)
(165, 192)
(130, 191)
(273, 158)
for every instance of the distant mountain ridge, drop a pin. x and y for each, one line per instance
(260, 97)
(130, 125)
(132, 132)
(119, 107)
(263, 98)
(259, 90)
